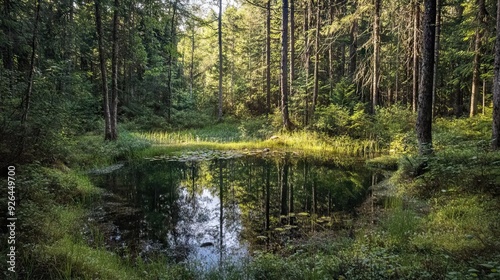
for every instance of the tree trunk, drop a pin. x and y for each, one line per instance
(104, 82)
(424, 118)
(284, 67)
(495, 143)
(113, 104)
(268, 57)
(416, 23)
(219, 115)
(191, 67)
(477, 58)
(29, 90)
(436, 57)
(292, 45)
(170, 61)
(353, 47)
(316, 61)
(376, 55)
(307, 22)
(331, 70)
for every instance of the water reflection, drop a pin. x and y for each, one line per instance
(208, 211)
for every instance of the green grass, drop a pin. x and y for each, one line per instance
(442, 224)
(301, 141)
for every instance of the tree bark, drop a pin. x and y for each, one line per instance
(292, 45)
(287, 125)
(29, 90)
(104, 82)
(219, 115)
(416, 23)
(495, 143)
(436, 56)
(191, 67)
(353, 47)
(268, 57)
(477, 59)
(376, 55)
(307, 57)
(316, 61)
(424, 118)
(113, 104)
(170, 60)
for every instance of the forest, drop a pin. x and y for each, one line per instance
(250, 139)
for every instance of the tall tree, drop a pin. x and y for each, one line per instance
(170, 59)
(316, 60)
(376, 55)
(353, 47)
(219, 31)
(436, 56)
(424, 117)
(113, 104)
(287, 124)
(481, 14)
(29, 90)
(268, 57)
(108, 135)
(495, 144)
(416, 23)
(292, 45)
(307, 57)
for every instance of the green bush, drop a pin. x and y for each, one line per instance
(339, 120)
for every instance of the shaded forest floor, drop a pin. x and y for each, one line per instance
(432, 221)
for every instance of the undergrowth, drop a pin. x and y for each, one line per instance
(441, 224)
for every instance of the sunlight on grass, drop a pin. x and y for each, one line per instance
(74, 259)
(302, 141)
(460, 226)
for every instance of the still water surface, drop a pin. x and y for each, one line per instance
(212, 209)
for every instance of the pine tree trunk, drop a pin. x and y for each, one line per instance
(170, 60)
(292, 45)
(424, 118)
(495, 143)
(29, 90)
(331, 70)
(477, 58)
(316, 62)
(268, 57)
(307, 57)
(191, 67)
(104, 82)
(376, 55)
(219, 115)
(113, 104)
(284, 67)
(416, 23)
(436, 56)
(353, 47)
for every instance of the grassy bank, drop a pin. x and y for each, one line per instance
(433, 221)
(233, 136)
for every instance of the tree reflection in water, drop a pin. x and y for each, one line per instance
(209, 211)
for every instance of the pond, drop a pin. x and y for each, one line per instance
(209, 209)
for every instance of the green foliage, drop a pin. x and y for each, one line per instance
(401, 224)
(255, 128)
(394, 126)
(91, 150)
(344, 94)
(339, 120)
